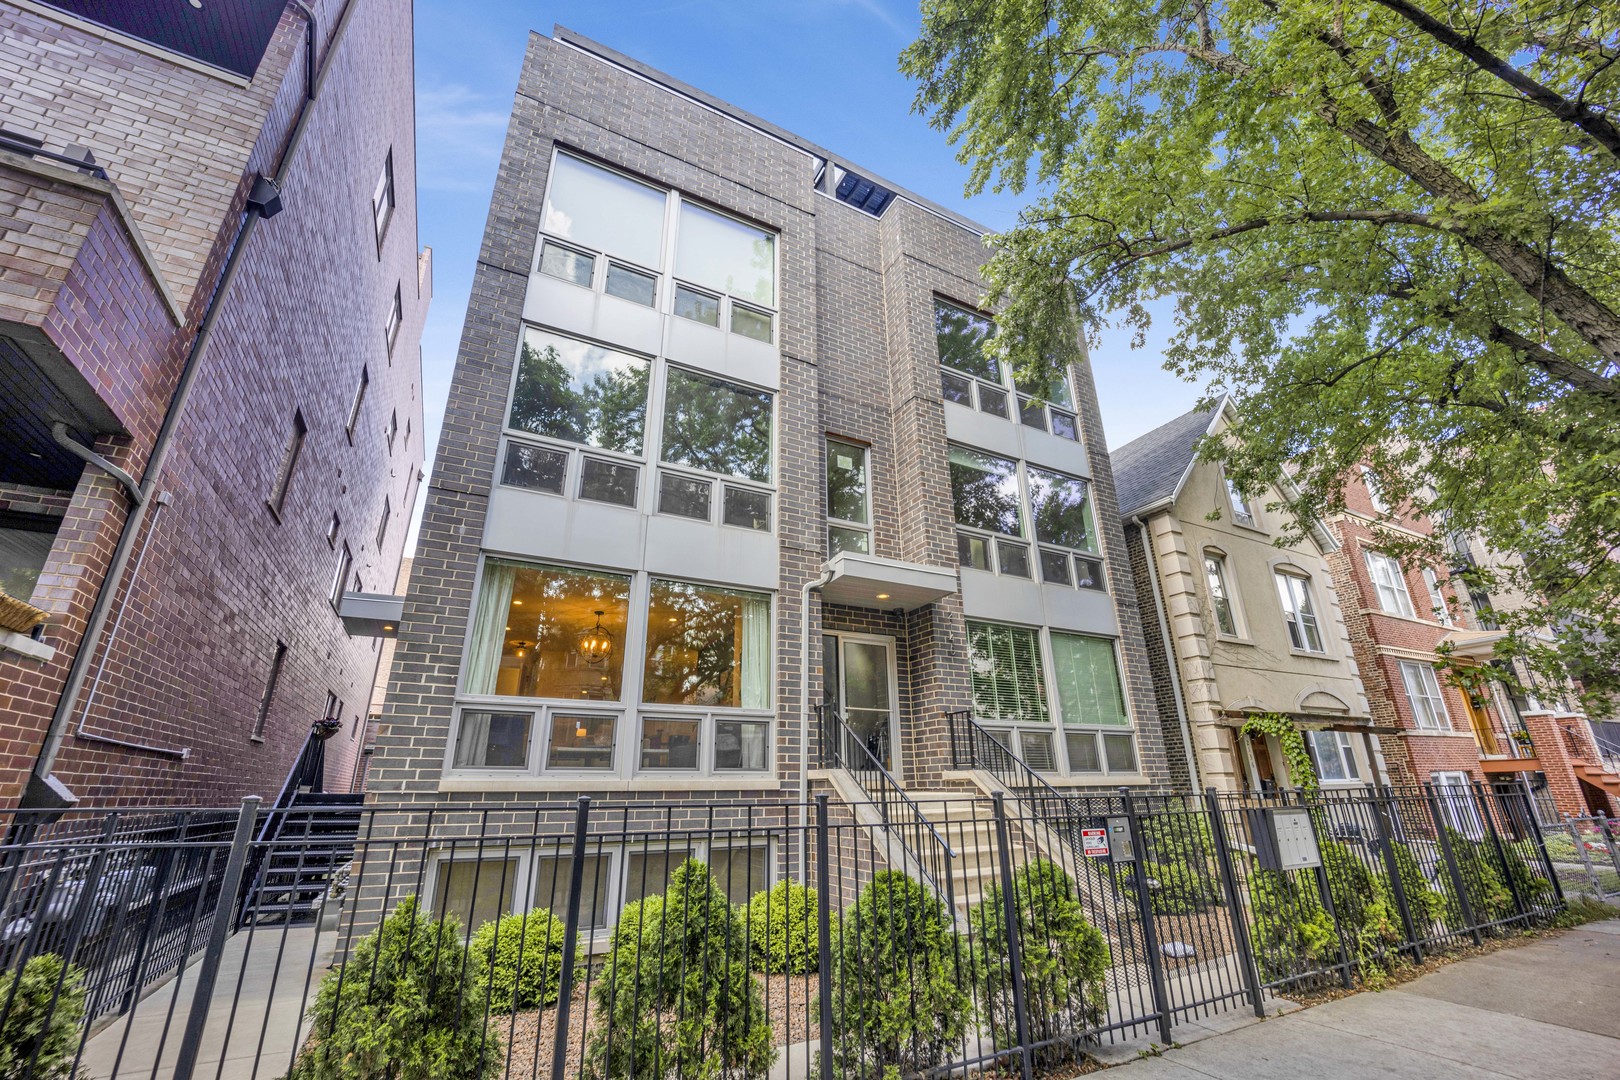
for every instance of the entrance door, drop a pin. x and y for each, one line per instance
(1265, 773)
(858, 678)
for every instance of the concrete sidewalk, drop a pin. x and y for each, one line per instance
(1547, 1010)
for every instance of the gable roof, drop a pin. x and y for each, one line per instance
(1150, 470)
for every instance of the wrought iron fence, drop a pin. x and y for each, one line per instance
(1585, 854)
(581, 941)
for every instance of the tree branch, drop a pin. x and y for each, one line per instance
(1583, 116)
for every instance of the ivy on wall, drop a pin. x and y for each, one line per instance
(1292, 744)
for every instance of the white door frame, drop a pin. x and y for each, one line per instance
(888, 642)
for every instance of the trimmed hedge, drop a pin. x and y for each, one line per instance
(519, 961)
(33, 1030)
(782, 929)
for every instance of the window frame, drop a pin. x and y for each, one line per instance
(1375, 491)
(383, 201)
(340, 576)
(718, 482)
(866, 528)
(292, 450)
(1014, 401)
(1344, 753)
(1437, 598)
(278, 663)
(1298, 607)
(1025, 543)
(1215, 571)
(1396, 587)
(395, 319)
(1435, 707)
(1242, 508)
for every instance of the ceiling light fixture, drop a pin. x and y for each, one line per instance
(596, 643)
(882, 596)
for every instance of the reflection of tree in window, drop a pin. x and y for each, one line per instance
(580, 393)
(713, 425)
(846, 482)
(961, 336)
(1006, 676)
(706, 646)
(984, 490)
(1062, 510)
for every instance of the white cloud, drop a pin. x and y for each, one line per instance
(458, 138)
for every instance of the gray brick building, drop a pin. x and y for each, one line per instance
(722, 445)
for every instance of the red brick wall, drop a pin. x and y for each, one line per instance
(221, 578)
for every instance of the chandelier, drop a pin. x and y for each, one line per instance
(596, 643)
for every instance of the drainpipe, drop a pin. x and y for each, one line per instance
(264, 200)
(1169, 649)
(810, 586)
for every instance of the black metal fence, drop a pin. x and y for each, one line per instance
(588, 942)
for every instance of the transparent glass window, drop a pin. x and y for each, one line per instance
(741, 870)
(1086, 673)
(1242, 512)
(475, 891)
(840, 538)
(707, 646)
(984, 492)
(647, 870)
(847, 493)
(697, 306)
(1037, 750)
(1013, 559)
(1119, 751)
(1062, 510)
(1389, 582)
(1064, 427)
(747, 509)
(1334, 758)
(579, 392)
(741, 745)
(1052, 391)
(671, 744)
(1006, 673)
(535, 468)
(1423, 691)
(684, 496)
(717, 426)
(1055, 567)
(993, 401)
(972, 551)
(1088, 574)
(957, 388)
(961, 336)
(1437, 599)
(1220, 600)
(723, 253)
(631, 285)
(608, 481)
(526, 635)
(750, 323)
(581, 742)
(1083, 756)
(1299, 613)
(493, 740)
(604, 211)
(564, 262)
(1031, 413)
(551, 879)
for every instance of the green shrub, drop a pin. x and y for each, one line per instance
(36, 1031)
(898, 1003)
(1423, 902)
(519, 961)
(401, 1008)
(1065, 960)
(1179, 862)
(675, 995)
(782, 930)
(1291, 930)
(1531, 885)
(1487, 892)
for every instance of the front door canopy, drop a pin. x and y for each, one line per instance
(885, 584)
(371, 614)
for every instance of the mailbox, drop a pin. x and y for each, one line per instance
(1283, 838)
(1120, 848)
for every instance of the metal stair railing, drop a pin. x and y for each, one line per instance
(1608, 753)
(902, 818)
(307, 771)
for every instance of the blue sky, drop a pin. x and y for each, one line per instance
(826, 69)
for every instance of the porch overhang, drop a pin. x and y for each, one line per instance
(371, 614)
(1493, 766)
(1474, 644)
(885, 584)
(1315, 722)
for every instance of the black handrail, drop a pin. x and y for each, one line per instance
(841, 748)
(308, 770)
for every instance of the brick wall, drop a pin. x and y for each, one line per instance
(222, 579)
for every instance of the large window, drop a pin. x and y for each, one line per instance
(984, 493)
(970, 376)
(1389, 582)
(1335, 761)
(1423, 691)
(1086, 672)
(724, 254)
(849, 507)
(1220, 597)
(1061, 507)
(1007, 680)
(579, 392)
(717, 426)
(1299, 612)
(533, 627)
(605, 211)
(707, 646)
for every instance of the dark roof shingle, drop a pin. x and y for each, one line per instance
(1147, 469)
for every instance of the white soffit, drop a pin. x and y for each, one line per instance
(885, 584)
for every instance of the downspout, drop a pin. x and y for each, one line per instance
(1169, 649)
(804, 710)
(45, 790)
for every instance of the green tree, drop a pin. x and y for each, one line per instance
(1390, 228)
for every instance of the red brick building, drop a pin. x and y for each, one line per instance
(211, 301)
(1425, 648)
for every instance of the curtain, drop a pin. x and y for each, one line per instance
(489, 627)
(1088, 681)
(472, 744)
(756, 652)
